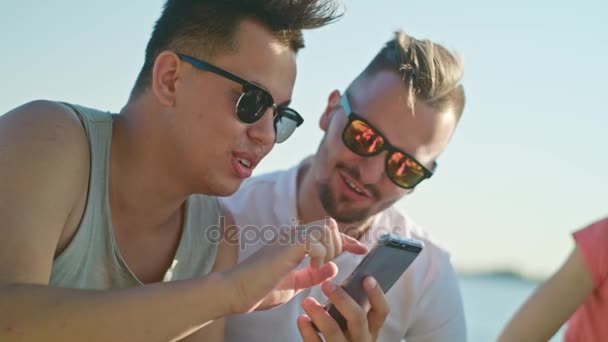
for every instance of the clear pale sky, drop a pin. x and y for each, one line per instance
(527, 166)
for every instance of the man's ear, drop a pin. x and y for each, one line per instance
(332, 103)
(164, 76)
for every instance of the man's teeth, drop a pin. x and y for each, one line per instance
(353, 186)
(244, 162)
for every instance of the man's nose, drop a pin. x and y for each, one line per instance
(372, 168)
(262, 131)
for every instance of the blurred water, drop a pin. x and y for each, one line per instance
(489, 302)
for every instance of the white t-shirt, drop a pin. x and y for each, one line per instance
(425, 303)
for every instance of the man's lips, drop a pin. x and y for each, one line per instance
(243, 163)
(248, 160)
(355, 186)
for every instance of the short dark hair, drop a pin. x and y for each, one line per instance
(206, 28)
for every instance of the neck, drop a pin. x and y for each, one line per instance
(309, 203)
(144, 193)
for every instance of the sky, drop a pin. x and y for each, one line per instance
(524, 170)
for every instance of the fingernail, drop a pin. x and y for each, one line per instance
(371, 282)
(331, 286)
(307, 302)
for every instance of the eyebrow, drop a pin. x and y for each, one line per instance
(282, 104)
(258, 84)
(285, 103)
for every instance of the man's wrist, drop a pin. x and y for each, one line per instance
(218, 292)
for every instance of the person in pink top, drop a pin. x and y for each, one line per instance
(577, 293)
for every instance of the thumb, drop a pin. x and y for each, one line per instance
(309, 277)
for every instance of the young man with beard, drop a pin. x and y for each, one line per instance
(382, 138)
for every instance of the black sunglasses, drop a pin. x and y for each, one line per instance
(254, 102)
(365, 140)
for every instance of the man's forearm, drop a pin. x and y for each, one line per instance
(158, 312)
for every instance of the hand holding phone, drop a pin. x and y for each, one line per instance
(386, 262)
(364, 324)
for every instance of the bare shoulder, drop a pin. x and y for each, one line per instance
(44, 158)
(42, 116)
(44, 142)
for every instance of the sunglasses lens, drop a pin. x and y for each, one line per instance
(361, 139)
(404, 171)
(252, 105)
(285, 124)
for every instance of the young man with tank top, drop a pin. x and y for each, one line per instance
(104, 228)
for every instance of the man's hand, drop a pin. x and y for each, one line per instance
(363, 324)
(268, 278)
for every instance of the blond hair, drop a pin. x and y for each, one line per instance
(431, 72)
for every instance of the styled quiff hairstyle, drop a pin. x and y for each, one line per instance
(206, 28)
(431, 72)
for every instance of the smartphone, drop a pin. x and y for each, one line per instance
(386, 262)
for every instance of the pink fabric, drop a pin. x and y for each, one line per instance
(590, 322)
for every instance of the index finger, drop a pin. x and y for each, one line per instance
(350, 244)
(321, 230)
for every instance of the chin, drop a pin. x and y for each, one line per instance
(352, 216)
(226, 188)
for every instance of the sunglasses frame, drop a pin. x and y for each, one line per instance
(387, 146)
(278, 111)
